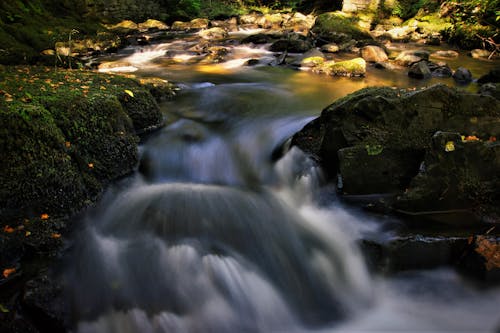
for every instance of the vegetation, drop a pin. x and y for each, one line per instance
(63, 132)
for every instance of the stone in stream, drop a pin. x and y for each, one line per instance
(420, 70)
(353, 67)
(445, 54)
(462, 75)
(408, 58)
(372, 53)
(429, 170)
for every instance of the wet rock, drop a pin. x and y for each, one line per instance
(378, 121)
(372, 53)
(292, 45)
(354, 67)
(398, 34)
(462, 75)
(457, 175)
(252, 62)
(420, 70)
(480, 54)
(330, 48)
(408, 58)
(440, 69)
(151, 24)
(445, 54)
(198, 23)
(493, 76)
(311, 58)
(299, 23)
(337, 27)
(387, 65)
(259, 39)
(376, 169)
(125, 26)
(490, 89)
(45, 305)
(213, 33)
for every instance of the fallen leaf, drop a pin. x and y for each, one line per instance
(130, 93)
(471, 138)
(67, 144)
(91, 165)
(3, 309)
(55, 235)
(8, 229)
(44, 216)
(8, 271)
(449, 146)
(27, 234)
(490, 250)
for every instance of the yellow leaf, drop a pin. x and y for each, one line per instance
(449, 146)
(67, 144)
(130, 93)
(27, 234)
(91, 165)
(8, 271)
(44, 216)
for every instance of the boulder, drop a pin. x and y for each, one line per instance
(456, 169)
(353, 67)
(330, 48)
(445, 54)
(493, 76)
(199, 23)
(490, 89)
(260, 39)
(420, 70)
(151, 24)
(292, 45)
(462, 75)
(338, 27)
(213, 33)
(372, 53)
(408, 58)
(440, 69)
(299, 23)
(480, 54)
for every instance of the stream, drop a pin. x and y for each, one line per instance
(216, 232)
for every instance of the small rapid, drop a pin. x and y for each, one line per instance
(219, 230)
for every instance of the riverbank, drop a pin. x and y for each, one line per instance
(66, 134)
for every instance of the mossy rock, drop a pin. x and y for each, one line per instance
(338, 27)
(66, 134)
(355, 135)
(353, 67)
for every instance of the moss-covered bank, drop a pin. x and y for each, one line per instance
(65, 134)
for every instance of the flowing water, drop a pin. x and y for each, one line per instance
(214, 234)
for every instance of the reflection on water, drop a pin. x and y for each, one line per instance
(212, 235)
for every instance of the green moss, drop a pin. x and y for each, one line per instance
(339, 26)
(65, 134)
(354, 67)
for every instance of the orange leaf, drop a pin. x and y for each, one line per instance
(55, 235)
(490, 250)
(67, 144)
(44, 216)
(8, 229)
(91, 165)
(8, 271)
(492, 139)
(471, 138)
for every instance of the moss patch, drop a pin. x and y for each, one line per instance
(339, 27)
(65, 134)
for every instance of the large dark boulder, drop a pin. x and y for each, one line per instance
(381, 140)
